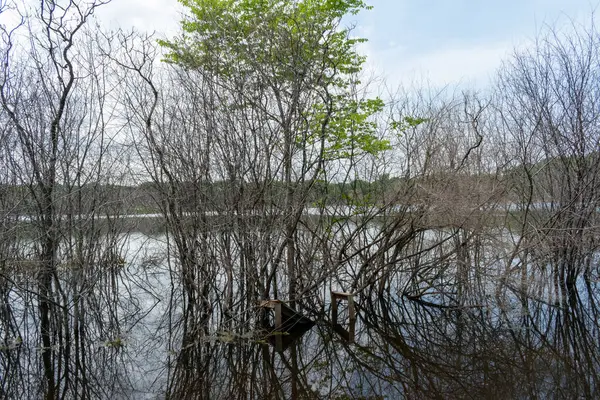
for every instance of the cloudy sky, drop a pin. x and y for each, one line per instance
(441, 41)
(452, 41)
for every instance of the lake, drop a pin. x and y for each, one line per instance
(445, 313)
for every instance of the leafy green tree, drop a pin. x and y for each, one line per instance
(293, 60)
(292, 68)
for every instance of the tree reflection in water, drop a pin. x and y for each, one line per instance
(474, 269)
(488, 342)
(474, 338)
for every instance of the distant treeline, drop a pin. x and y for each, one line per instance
(547, 179)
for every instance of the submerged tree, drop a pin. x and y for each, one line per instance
(549, 109)
(262, 98)
(57, 153)
(291, 66)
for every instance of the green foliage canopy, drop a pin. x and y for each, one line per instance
(297, 51)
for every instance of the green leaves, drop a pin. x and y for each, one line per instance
(284, 34)
(407, 122)
(352, 129)
(349, 127)
(296, 54)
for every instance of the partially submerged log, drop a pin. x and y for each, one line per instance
(289, 324)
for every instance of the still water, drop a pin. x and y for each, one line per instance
(451, 319)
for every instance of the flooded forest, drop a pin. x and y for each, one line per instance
(242, 211)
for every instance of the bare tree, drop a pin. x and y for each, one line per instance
(55, 99)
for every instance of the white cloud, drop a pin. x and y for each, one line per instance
(144, 15)
(471, 65)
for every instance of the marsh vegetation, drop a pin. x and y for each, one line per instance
(150, 207)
